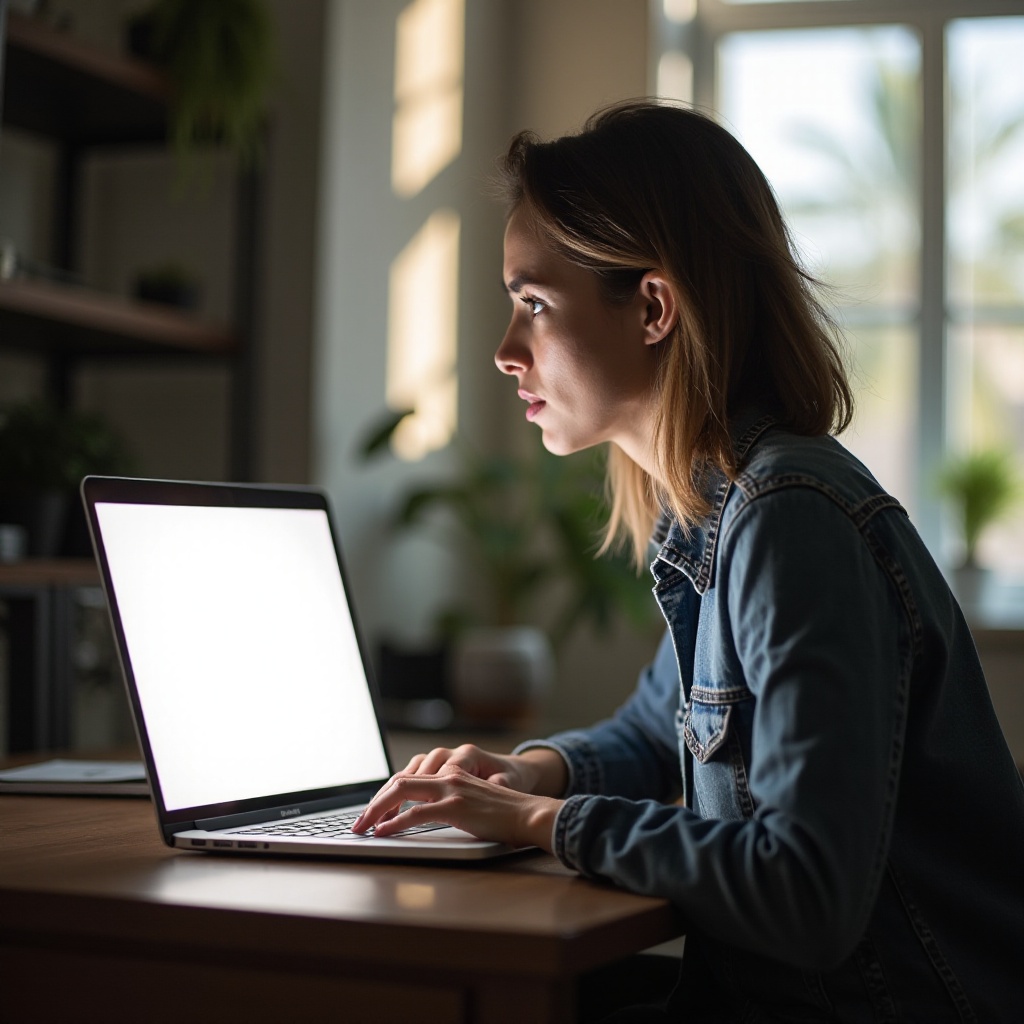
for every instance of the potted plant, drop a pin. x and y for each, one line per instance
(219, 56)
(982, 487)
(170, 284)
(529, 524)
(44, 453)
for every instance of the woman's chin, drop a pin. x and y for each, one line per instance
(562, 445)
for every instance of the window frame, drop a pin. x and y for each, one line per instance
(698, 39)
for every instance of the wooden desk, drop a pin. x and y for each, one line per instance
(100, 922)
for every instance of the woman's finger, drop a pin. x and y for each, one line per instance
(414, 814)
(434, 761)
(386, 805)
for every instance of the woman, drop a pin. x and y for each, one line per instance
(810, 769)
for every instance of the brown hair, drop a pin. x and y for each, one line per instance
(648, 185)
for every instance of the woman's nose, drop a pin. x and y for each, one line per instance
(512, 357)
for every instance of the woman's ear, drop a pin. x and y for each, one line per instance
(658, 303)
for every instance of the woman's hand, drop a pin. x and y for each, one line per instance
(503, 797)
(540, 770)
(456, 797)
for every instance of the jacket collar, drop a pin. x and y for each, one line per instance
(692, 549)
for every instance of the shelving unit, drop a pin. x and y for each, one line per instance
(81, 99)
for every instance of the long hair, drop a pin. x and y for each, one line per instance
(652, 186)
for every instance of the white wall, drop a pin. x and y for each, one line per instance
(539, 64)
(364, 226)
(575, 56)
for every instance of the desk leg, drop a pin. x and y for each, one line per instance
(526, 999)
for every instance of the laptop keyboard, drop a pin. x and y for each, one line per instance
(328, 826)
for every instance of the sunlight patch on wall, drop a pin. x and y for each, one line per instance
(675, 76)
(429, 68)
(422, 336)
(680, 11)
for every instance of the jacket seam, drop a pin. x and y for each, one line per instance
(563, 821)
(859, 513)
(731, 695)
(930, 945)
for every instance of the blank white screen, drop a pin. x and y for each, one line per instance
(243, 650)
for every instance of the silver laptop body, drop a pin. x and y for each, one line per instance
(253, 699)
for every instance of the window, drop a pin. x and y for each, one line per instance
(893, 133)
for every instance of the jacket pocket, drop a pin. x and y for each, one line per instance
(705, 728)
(706, 723)
(715, 732)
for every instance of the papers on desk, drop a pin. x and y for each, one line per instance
(65, 777)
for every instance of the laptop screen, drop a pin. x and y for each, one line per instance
(243, 650)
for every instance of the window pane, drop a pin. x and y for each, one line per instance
(832, 116)
(883, 430)
(986, 162)
(987, 411)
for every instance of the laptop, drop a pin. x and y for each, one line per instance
(251, 692)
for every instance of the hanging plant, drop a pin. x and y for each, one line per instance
(219, 56)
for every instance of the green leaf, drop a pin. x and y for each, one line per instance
(377, 439)
(983, 486)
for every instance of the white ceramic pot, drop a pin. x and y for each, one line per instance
(501, 674)
(971, 585)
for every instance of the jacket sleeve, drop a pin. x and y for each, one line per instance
(634, 753)
(822, 638)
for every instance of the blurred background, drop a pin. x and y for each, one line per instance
(332, 254)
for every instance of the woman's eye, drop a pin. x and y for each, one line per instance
(535, 305)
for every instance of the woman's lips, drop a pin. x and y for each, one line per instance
(536, 404)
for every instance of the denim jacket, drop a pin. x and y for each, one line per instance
(847, 837)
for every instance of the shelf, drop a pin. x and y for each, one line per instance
(44, 316)
(77, 93)
(50, 572)
(76, 96)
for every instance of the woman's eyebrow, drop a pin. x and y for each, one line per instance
(515, 286)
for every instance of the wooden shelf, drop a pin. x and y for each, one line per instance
(50, 572)
(43, 315)
(77, 93)
(78, 97)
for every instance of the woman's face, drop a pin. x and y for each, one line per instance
(586, 368)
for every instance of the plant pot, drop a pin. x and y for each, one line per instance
(139, 33)
(501, 675)
(179, 295)
(43, 515)
(971, 584)
(413, 684)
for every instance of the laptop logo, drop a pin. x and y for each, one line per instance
(291, 812)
